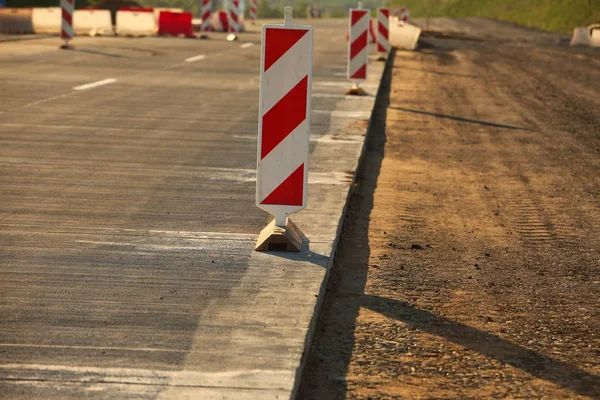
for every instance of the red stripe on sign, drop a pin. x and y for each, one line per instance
(383, 30)
(290, 192)
(278, 42)
(360, 73)
(380, 48)
(284, 117)
(385, 12)
(64, 35)
(358, 45)
(234, 17)
(206, 15)
(67, 17)
(356, 16)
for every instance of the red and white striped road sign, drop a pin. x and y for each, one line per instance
(383, 29)
(358, 50)
(284, 119)
(66, 28)
(372, 30)
(234, 16)
(205, 13)
(402, 13)
(253, 9)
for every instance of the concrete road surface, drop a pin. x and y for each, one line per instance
(127, 218)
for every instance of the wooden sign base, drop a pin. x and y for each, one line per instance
(276, 238)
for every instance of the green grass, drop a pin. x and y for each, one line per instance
(548, 15)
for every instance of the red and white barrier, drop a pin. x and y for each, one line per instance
(284, 119)
(372, 31)
(66, 28)
(402, 13)
(253, 10)
(358, 51)
(234, 16)
(205, 13)
(383, 30)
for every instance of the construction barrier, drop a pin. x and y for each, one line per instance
(234, 16)
(175, 24)
(358, 50)
(402, 13)
(66, 26)
(16, 20)
(46, 20)
(383, 28)
(372, 31)
(158, 10)
(284, 130)
(403, 35)
(220, 21)
(253, 10)
(92, 22)
(205, 13)
(581, 37)
(136, 23)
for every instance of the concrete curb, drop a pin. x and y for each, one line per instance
(382, 85)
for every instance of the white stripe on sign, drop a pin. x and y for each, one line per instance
(246, 45)
(195, 58)
(94, 84)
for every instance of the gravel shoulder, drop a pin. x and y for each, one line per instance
(469, 266)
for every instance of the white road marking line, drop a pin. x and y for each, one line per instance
(195, 58)
(340, 74)
(345, 114)
(246, 45)
(328, 95)
(95, 84)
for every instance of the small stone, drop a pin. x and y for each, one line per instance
(416, 246)
(488, 255)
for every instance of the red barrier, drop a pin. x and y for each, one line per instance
(175, 24)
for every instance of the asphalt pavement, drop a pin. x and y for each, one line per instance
(127, 218)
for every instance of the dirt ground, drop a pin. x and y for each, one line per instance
(469, 266)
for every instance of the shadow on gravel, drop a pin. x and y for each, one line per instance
(461, 119)
(437, 72)
(327, 366)
(536, 364)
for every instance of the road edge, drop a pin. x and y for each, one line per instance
(384, 84)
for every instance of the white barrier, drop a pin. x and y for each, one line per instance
(134, 23)
(581, 37)
(46, 20)
(403, 35)
(594, 35)
(16, 20)
(92, 22)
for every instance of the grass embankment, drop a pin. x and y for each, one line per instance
(548, 15)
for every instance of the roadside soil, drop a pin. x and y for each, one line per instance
(469, 265)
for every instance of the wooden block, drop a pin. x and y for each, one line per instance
(276, 238)
(356, 91)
